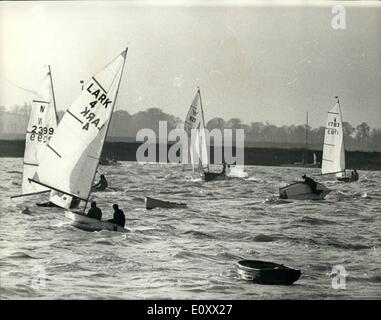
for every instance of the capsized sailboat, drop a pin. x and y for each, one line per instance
(71, 159)
(305, 190)
(334, 147)
(302, 191)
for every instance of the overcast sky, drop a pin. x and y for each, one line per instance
(252, 62)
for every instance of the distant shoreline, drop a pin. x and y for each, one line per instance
(265, 156)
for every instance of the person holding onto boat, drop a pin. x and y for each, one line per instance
(102, 184)
(310, 182)
(119, 217)
(94, 211)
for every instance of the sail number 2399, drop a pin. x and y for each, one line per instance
(41, 134)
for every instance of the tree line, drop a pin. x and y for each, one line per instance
(361, 137)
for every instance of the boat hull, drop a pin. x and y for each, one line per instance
(152, 203)
(302, 191)
(263, 272)
(214, 176)
(47, 204)
(343, 177)
(346, 179)
(86, 223)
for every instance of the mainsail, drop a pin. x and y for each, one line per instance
(194, 126)
(333, 150)
(72, 156)
(41, 126)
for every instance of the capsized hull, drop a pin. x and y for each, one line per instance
(86, 223)
(263, 272)
(302, 191)
(156, 203)
(47, 204)
(213, 176)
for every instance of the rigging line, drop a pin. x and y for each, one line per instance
(54, 99)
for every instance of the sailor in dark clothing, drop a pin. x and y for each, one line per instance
(102, 184)
(311, 183)
(74, 203)
(355, 175)
(94, 211)
(119, 217)
(223, 168)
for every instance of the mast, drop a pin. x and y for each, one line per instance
(306, 147)
(109, 121)
(54, 99)
(203, 119)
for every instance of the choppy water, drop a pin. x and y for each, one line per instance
(191, 253)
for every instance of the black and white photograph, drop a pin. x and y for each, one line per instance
(190, 150)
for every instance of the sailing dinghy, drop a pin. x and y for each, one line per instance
(41, 125)
(194, 126)
(334, 147)
(71, 158)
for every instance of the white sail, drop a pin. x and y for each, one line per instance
(41, 126)
(333, 150)
(71, 158)
(194, 126)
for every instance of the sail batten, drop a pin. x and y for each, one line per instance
(70, 163)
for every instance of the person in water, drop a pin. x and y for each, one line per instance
(94, 211)
(311, 183)
(119, 217)
(102, 184)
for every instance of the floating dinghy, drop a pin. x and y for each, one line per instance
(263, 272)
(155, 203)
(302, 191)
(83, 222)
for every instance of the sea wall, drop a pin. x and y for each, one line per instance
(126, 151)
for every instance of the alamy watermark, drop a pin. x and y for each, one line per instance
(191, 147)
(338, 275)
(338, 21)
(38, 281)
